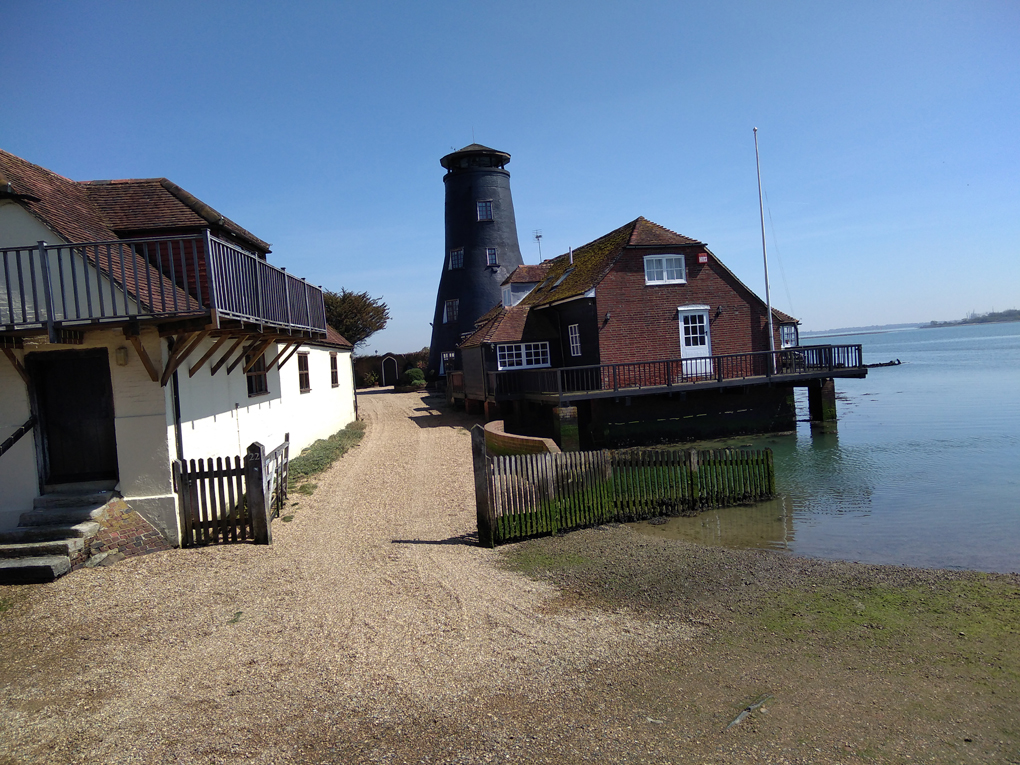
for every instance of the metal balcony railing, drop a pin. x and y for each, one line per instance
(577, 382)
(52, 286)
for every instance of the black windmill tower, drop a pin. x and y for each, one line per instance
(481, 245)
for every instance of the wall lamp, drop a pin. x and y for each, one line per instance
(718, 312)
(606, 319)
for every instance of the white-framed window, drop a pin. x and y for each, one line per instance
(788, 336)
(490, 257)
(508, 297)
(522, 355)
(574, 335)
(450, 311)
(484, 209)
(665, 269)
(457, 258)
(304, 376)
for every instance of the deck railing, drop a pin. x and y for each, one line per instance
(49, 286)
(579, 381)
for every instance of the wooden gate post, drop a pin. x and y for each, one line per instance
(483, 509)
(255, 491)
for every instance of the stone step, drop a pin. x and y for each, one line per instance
(91, 498)
(66, 547)
(60, 516)
(22, 535)
(81, 487)
(43, 568)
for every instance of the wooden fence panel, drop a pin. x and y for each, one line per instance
(528, 495)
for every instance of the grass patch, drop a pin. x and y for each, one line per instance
(6, 604)
(321, 454)
(973, 621)
(531, 561)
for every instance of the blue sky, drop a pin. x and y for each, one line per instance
(888, 133)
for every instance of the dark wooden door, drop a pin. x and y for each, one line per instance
(74, 400)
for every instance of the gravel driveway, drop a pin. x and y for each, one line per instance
(372, 630)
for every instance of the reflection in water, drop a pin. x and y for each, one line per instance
(923, 469)
(763, 525)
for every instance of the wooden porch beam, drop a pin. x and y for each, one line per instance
(17, 365)
(180, 353)
(244, 351)
(279, 355)
(131, 333)
(260, 349)
(291, 354)
(214, 368)
(208, 355)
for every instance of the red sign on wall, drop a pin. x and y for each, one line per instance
(702, 257)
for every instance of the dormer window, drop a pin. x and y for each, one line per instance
(484, 209)
(508, 297)
(665, 269)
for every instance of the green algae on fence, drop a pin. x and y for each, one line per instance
(527, 495)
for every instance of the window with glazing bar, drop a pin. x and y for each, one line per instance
(574, 335)
(258, 379)
(304, 378)
(522, 355)
(484, 209)
(334, 371)
(490, 257)
(450, 310)
(664, 269)
(457, 258)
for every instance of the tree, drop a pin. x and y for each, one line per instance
(355, 315)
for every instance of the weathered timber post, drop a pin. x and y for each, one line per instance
(565, 428)
(255, 490)
(692, 471)
(822, 400)
(483, 510)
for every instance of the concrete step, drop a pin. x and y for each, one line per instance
(22, 535)
(66, 547)
(91, 498)
(43, 568)
(60, 516)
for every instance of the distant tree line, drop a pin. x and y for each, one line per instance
(993, 317)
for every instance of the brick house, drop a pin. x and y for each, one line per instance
(138, 325)
(641, 335)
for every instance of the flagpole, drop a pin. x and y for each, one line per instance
(764, 254)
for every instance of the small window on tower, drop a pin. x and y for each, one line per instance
(485, 209)
(450, 311)
(457, 258)
(490, 257)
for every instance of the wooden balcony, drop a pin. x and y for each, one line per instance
(791, 366)
(56, 288)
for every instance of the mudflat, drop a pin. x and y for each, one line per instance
(376, 630)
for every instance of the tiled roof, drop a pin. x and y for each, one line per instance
(145, 204)
(528, 274)
(564, 279)
(335, 338)
(58, 202)
(96, 211)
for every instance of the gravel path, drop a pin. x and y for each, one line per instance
(372, 630)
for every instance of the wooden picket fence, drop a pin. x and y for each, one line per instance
(231, 499)
(526, 495)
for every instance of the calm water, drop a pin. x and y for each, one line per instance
(922, 470)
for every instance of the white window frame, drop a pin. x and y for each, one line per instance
(508, 297)
(788, 332)
(523, 355)
(574, 336)
(491, 256)
(456, 258)
(664, 269)
(484, 207)
(450, 316)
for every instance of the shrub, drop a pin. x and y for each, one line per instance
(320, 455)
(414, 376)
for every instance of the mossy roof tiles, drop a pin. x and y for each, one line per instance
(590, 265)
